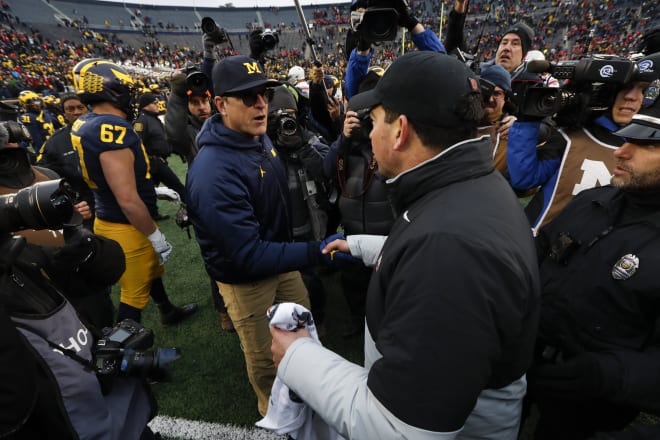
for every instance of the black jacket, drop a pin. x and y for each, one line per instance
(453, 301)
(152, 133)
(586, 308)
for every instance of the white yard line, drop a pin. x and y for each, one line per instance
(172, 427)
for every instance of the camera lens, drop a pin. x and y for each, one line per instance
(208, 25)
(288, 126)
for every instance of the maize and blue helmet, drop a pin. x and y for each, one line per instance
(97, 80)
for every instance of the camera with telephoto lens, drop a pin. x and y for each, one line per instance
(124, 350)
(197, 83)
(17, 132)
(44, 205)
(378, 22)
(591, 85)
(213, 32)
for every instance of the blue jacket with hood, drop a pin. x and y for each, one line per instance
(238, 203)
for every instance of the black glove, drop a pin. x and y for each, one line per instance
(257, 47)
(406, 18)
(585, 376)
(79, 247)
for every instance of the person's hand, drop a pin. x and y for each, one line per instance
(584, 376)
(505, 124)
(162, 247)
(459, 6)
(209, 46)
(256, 44)
(334, 109)
(83, 209)
(317, 75)
(350, 122)
(406, 18)
(283, 339)
(335, 251)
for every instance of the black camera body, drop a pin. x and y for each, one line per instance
(378, 22)
(269, 39)
(16, 132)
(197, 83)
(591, 86)
(44, 205)
(285, 124)
(214, 33)
(123, 350)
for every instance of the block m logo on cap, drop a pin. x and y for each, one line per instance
(252, 68)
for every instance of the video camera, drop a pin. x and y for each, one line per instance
(123, 350)
(378, 21)
(591, 85)
(44, 205)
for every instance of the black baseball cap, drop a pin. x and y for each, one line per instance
(425, 86)
(644, 127)
(237, 73)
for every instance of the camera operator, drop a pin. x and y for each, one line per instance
(326, 111)
(576, 157)
(67, 399)
(359, 41)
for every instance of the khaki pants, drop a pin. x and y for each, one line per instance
(247, 304)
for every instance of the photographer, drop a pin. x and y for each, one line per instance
(578, 155)
(302, 156)
(54, 349)
(66, 254)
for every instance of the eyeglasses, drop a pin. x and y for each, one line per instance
(251, 96)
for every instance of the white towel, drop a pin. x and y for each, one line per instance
(287, 416)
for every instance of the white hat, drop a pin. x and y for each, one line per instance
(296, 73)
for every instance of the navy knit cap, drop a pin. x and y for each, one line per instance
(498, 76)
(525, 33)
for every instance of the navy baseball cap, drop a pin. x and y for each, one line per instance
(238, 73)
(425, 86)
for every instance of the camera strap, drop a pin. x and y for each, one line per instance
(88, 365)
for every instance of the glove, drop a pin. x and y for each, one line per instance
(336, 258)
(79, 247)
(162, 247)
(256, 44)
(290, 142)
(165, 193)
(586, 376)
(406, 18)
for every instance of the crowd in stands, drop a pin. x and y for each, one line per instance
(565, 30)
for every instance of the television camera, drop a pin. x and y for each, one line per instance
(376, 20)
(589, 85)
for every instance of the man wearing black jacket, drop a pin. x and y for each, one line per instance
(452, 305)
(151, 131)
